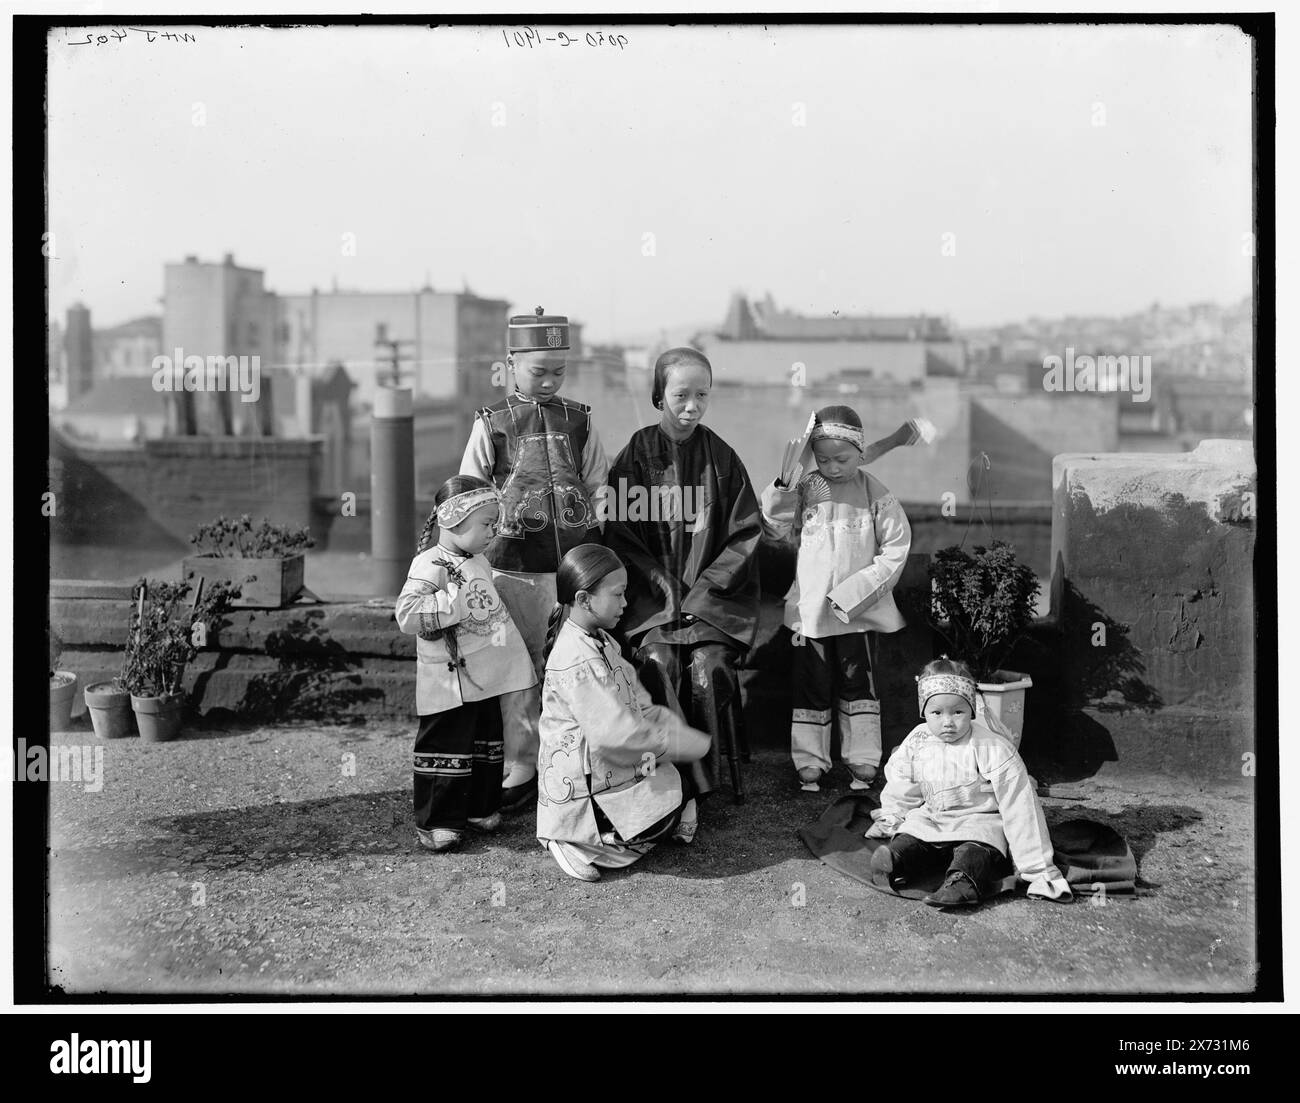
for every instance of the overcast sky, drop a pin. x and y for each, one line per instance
(691, 135)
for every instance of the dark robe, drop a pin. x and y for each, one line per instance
(691, 579)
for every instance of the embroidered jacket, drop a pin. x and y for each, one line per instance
(603, 740)
(444, 594)
(975, 789)
(853, 543)
(548, 463)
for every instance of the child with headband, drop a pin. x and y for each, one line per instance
(543, 453)
(468, 653)
(853, 540)
(957, 792)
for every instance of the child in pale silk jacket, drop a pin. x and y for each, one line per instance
(608, 790)
(853, 543)
(957, 792)
(468, 653)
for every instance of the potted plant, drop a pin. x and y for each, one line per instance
(266, 561)
(109, 706)
(63, 688)
(983, 604)
(166, 633)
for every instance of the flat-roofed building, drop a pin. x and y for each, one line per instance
(758, 343)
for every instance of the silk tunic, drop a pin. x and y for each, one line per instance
(685, 522)
(548, 463)
(444, 593)
(853, 543)
(604, 741)
(975, 789)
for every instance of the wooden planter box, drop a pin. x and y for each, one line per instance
(266, 583)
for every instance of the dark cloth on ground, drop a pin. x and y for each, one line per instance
(1093, 858)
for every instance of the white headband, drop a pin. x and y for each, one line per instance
(934, 684)
(459, 506)
(834, 430)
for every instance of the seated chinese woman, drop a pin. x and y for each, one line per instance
(684, 518)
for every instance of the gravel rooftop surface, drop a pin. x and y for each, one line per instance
(281, 860)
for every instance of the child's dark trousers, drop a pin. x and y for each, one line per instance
(458, 765)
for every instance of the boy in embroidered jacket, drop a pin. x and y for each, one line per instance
(853, 543)
(545, 457)
(957, 792)
(468, 652)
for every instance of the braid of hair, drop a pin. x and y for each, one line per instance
(426, 534)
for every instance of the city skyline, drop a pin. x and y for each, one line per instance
(631, 186)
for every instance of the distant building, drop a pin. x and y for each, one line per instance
(56, 366)
(115, 410)
(450, 340)
(759, 343)
(78, 350)
(1202, 408)
(217, 310)
(128, 349)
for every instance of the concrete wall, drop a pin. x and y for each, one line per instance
(1021, 433)
(335, 660)
(1152, 588)
(161, 492)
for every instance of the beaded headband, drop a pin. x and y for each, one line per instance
(459, 506)
(834, 430)
(934, 684)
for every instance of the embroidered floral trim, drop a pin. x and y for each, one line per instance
(574, 676)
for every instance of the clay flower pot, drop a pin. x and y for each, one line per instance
(110, 710)
(63, 691)
(1005, 699)
(158, 718)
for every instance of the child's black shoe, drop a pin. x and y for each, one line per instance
(957, 891)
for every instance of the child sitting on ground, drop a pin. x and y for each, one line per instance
(956, 791)
(468, 654)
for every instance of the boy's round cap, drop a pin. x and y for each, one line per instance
(537, 332)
